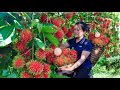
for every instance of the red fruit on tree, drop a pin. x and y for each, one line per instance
(65, 30)
(50, 57)
(35, 67)
(52, 46)
(68, 15)
(20, 45)
(43, 18)
(46, 75)
(91, 36)
(26, 35)
(59, 34)
(18, 62)
(40, 54)
(46, 68)
(24, 75)
(57, 22)
(39, 76)
(69, 34)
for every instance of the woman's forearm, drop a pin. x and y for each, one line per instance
(77, 64)
(84, 55)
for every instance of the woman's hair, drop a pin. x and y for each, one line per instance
(84, 26)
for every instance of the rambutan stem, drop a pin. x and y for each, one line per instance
(32, 39)
(44, 39)
(26, 52)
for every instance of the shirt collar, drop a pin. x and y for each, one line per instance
(82, 40)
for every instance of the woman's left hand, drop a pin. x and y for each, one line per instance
(66, 68)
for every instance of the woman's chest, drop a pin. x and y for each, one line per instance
(78, 47)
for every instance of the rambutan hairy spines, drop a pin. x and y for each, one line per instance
(35, 67)
(26, 35)
(25, 74)
(18, 62)
(46, 68)
(20, 45)
(40, 54)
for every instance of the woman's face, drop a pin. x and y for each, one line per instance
(78, 31)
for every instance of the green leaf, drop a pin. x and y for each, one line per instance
(34, 22)
(39, 26)
(11, 15)
(3, 15)
(52, 39)
(6, 34)
(5, 72)
(18, 24)
(13, 75)
(26, 15)
(40, 43)
(48, 29)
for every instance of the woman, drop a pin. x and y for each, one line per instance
(82, 66)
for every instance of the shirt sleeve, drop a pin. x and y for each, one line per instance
(88, 46)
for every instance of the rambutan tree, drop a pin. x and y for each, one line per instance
(28, 40)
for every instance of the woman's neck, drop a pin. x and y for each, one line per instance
(79, 38)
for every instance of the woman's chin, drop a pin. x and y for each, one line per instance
(76, 36)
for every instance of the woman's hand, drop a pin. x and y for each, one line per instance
(66, 68)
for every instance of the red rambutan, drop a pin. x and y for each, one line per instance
(20, 45)
(52, 46)
(38, 76)
(69, 34)
(35, 67)
(91, 36)
(46, 68)
(59, 34)
(43, 18)
(68, 15)
(65, 30)
(40, 54)
(18, 62)
(24, 75)
(26, 35)
(46, 75)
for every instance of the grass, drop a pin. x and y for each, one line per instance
(106, 75)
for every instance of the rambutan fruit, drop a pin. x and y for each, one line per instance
(46, 75)
(59, 34)
(65, 30)
(43, 18)
(18, 62)
(91, 36)
(61, 61)
(69, 34)
(38, 76)
(20, 45)
(50, 57)
(68, 15)
(26, 35)
(46, 68)
(35, 67)
(52, 46)
(25, 74)
(65, 51)
(57, 22)
(40, 54)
